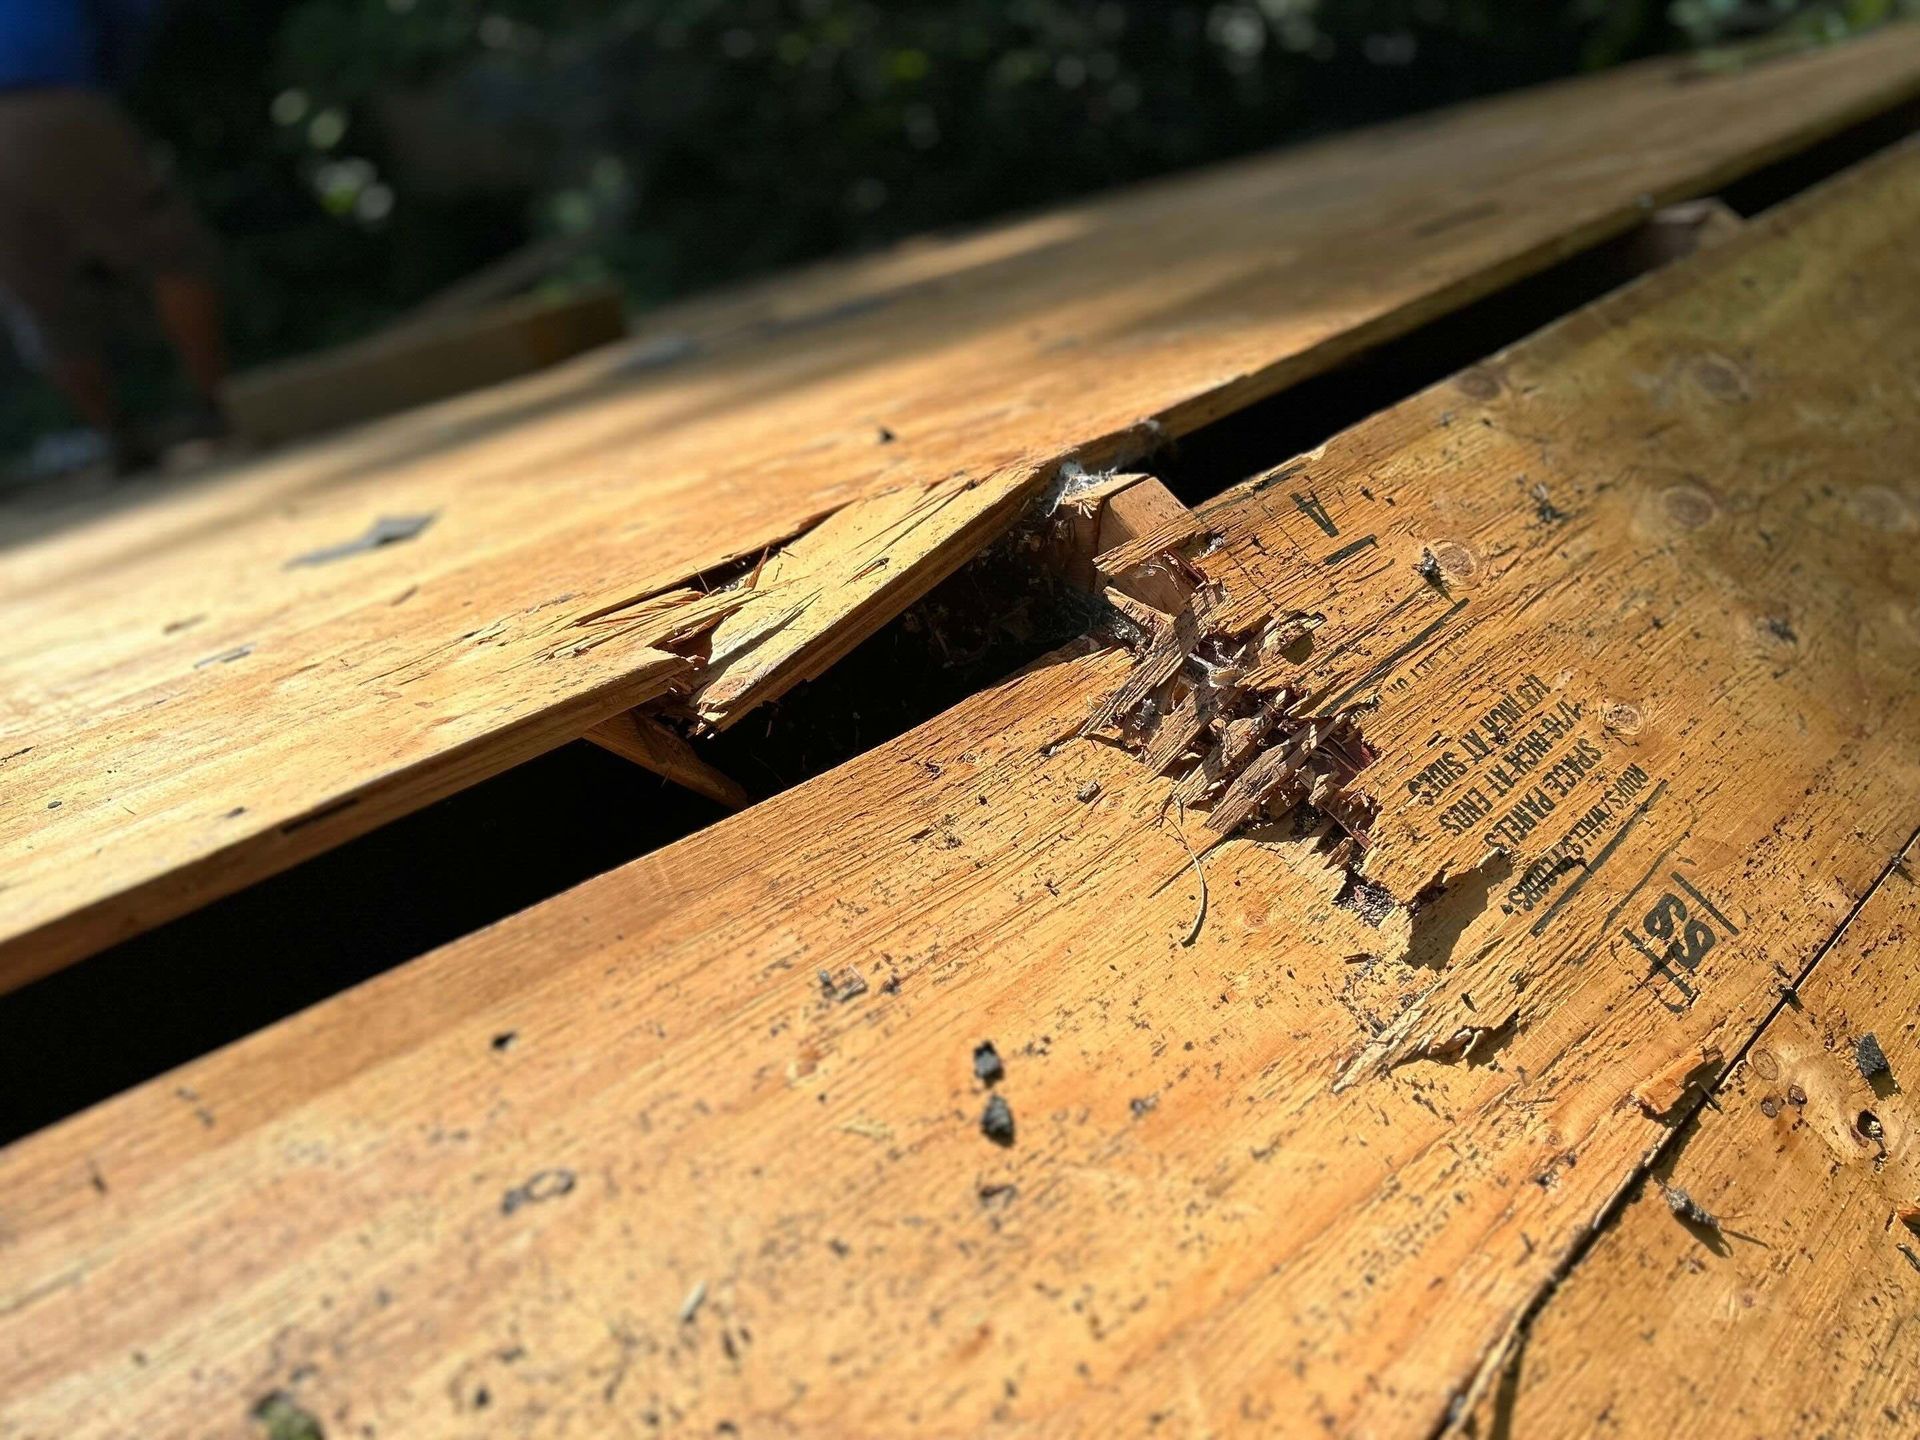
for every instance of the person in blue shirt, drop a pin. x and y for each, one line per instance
(77, 189)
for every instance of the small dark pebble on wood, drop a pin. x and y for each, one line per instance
(1689, 1209)
(849, 986)
(987, 1068)
(1871, 1059)
(996, 1121)
(281, 1419)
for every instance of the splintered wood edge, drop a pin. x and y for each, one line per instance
(652, 745)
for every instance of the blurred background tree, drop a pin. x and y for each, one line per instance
(358, 155)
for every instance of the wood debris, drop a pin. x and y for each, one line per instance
(1661, 1096)
(988, 1068)
(1870, 1058)
(1204, 705)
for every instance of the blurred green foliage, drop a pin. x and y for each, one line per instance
(355, 155)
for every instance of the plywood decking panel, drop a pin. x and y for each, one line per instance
(1792, 1313)
(181, 698)
(698, 1145)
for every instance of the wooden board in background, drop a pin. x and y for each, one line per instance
(186, 710)
(419, 362)
(698, 1145)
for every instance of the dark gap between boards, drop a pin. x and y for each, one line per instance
(1201, 465)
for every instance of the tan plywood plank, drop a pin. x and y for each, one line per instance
(1791, 1312)
(180, 694)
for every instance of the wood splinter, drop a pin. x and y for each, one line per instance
(653, 746)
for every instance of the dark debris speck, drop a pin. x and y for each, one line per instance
(1689, 1209)
(996, 1121)
(849, 986)
(546, 1185)
(987, 1066)
(1371, 902)
(1871, 1059)
(1544, 508)
(279, 1418)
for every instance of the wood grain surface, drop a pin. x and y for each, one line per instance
(1792, 1311)
(205, 685)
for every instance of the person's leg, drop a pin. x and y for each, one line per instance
(190, 313)
(86, 382)
(87, 385)
(125, 214)
(39, 301)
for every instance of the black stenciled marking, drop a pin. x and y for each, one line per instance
(1397, 656)
(1353, 640)
(1705, 904)
(1660, 965)
(1606, 851)
(1347, 552)
(1309, 505)
(1638, 885)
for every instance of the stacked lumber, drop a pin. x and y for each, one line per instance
(1434, 954)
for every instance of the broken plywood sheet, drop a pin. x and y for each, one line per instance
(1788, 1309)
(813, 600)
(703, 1140)
(165, 659)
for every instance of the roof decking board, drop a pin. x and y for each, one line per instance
(179, 775)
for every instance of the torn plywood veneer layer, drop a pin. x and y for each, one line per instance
(182, 701)
(703, 1140)
(1789, 1308)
